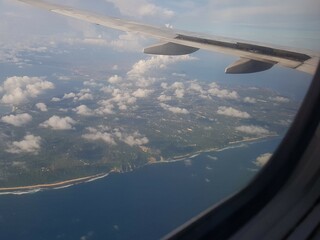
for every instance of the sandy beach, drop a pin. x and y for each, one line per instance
(52, 185)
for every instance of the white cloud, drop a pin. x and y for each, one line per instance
(18, 90)
(216, 91)
(42, 107)
(84, 94)
(104, 133)
(129, 42)
(115, 79)
(141, 8)
(83, 110)
(17, 120)
(96, 135)
(55, 99)
(141, 70)
(141, 93)
(146, 71)
(174, 109)
(68, 95)
(196, 87)
(250, 100)
(122, 98)
(30, 144)
(280, 99)
(178, 88)
(254, 130)
(106, 107)
(232, 112)
(164, 98)
(179, 93)
(135, 139)
(177, 85)
(59, 123)
(262, 159)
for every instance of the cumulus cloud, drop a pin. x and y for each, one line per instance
(254, 130)
(141, 93)
(17, 90)
(17, 120)
(109, 136)
(250, 100)
(262, 159)
(232, 112)
(141, 70)
(174, 109)
(141, 8)
(83, 110)
(280, 99)
(99, 135)
(84, 94)
(42, 107)
(106, 107)
(216, 91)
(196, 88)
(55, 99)
(178, 88)
(59, 123)
(135, 139)
(29, 144)
(164, 98)
(68, 95)
(177, 85)
(115, 79)
(179, 93)
(122, 98)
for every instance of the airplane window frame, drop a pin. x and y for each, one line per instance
(224, 219)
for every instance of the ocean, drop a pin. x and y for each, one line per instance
(146, 203)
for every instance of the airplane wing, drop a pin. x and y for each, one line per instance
(253, 56)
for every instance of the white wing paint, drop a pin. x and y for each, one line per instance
(254, 56)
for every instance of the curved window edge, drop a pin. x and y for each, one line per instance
(224, 219)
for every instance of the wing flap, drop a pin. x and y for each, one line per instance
(169, 49)
(248, 66)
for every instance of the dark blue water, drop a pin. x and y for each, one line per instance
(144, 204)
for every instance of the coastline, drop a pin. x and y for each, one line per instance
(57, 185)
(209, 150)
(72, 182)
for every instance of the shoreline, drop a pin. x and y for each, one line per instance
(58, 185)
(71, 182)
(209, 150)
